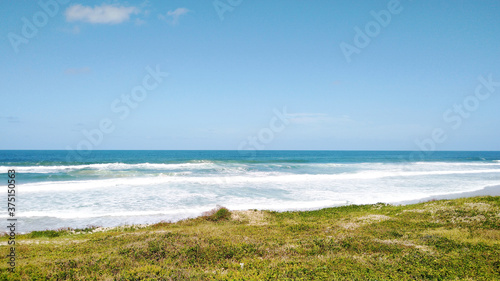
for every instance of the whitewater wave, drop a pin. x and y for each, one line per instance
(109, 167)
(230, 180)
(188, 211)
(86, 214)
(223, 166)
(464, 164)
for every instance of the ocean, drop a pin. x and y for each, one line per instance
(111, 188)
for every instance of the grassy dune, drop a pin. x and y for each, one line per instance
(437, 240)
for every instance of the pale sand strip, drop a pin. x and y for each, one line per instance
(489, 190)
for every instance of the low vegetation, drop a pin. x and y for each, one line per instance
(437, 240)
(218, 214)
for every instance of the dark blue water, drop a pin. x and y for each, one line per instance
(62, 157)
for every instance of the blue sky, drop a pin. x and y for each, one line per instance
(250, 75)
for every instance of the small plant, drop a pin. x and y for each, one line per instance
(161, 224)
(87, 229)
(46, 233)
(219, 213)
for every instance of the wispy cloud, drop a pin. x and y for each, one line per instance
(319, 118)
(11, 119)
(74, 30)
(172, 17)
(78, 127)
(139, 22)
(104, 14)
(74, 71)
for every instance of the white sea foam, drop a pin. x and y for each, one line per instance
(184, 211)
(79, 214)
(108, 166)
(228, 167)
(462, 164)
(250, 177)
(118, 193)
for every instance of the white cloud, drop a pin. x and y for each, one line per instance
(104, 14)
(172, 17)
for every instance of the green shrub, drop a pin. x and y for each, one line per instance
(217, 214)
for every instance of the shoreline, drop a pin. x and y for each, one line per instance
(493, 190)
(486, 191)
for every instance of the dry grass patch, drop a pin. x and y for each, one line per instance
(252, 217)
(479, 206)
(466, 219)
(437, 206)
(60, 241)
(369, 219)
(373, 218)
(415, 211)
(487, 236)
(405, 243)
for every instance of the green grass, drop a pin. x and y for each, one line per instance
(438, 240)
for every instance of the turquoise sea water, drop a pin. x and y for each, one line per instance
(107, 188)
